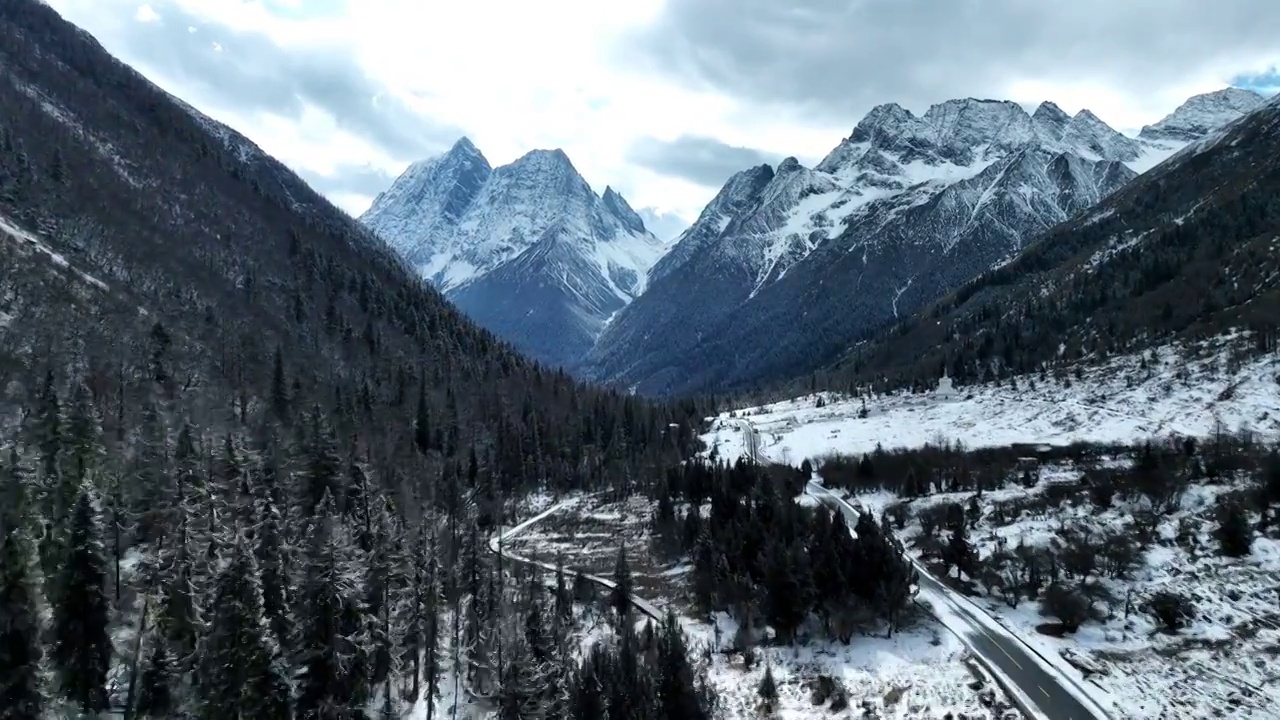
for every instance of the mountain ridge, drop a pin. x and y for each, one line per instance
(899, 212)
(492, 238)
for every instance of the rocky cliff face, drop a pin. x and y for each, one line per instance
(528, 249)
(789, 266)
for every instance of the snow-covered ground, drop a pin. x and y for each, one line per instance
(1128, 399)
(922, 672)
(1226, 664)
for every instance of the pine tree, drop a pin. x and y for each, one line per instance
(329, 643)
(16, 495)
(273, 564)
(422, 423)
(158, 683)
(678, 695)
(322, 466)
(1235, 536)
(179, 617)
(81, 646)
(768, 690)
(279, 388)
(83, 440)
(21, 692)
(243, 674)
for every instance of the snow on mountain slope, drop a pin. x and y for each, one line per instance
(1174, 390)
(526, 240)
(900, 212)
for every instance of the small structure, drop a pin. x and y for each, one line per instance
(945, 390)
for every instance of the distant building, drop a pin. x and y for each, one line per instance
(945, 390)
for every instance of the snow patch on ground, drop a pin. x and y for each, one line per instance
(22, 236)
(1169, 391)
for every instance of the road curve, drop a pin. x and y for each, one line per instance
(1008, 658)
(496, 545)
(1040, 693)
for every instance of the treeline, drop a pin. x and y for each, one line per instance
(766, 559)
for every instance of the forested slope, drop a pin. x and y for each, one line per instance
(254, 456)
(1188, 251)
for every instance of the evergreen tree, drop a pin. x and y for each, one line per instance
(83, 440)
(322, 466)
(330, 645)
(81, 646)
(243, 674)
(959, 553)
(1235, 536)
(422, 423)
(678, 695)
(158, 683)
(768, 690)
(21, 693)
(279, 388)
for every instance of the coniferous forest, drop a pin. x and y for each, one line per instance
(250, 464)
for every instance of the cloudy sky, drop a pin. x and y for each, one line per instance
(663, 99)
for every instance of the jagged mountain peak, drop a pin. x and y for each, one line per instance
(1201, 114)
(553, 161)
(622, 210)
(788, 165)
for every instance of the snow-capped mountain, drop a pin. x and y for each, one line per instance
(788, 266)
(1202, 114)
(528, 249)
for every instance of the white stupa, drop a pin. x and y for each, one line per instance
(945, 390)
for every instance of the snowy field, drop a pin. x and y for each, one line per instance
(1121, 401)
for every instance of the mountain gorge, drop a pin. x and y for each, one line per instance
(789, 266)
(528, 250)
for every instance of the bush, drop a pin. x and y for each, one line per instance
(1235, 536)
(1067, 604)
(1171, 610)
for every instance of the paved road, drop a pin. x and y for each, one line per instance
(1004, 654)
(496, 544)
(1010, 657)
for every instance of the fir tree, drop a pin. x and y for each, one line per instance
(279, 388)
(1235, 536)
(243, 674)
(329, 644)
(768, 690)
(21, 693)
(81, 646)
(158, 683)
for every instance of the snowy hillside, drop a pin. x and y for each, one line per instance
(1131, 399)
(528, 249)
(903, 210)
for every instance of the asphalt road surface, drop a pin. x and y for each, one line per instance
(1009, 656)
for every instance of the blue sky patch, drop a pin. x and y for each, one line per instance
(1267, 83)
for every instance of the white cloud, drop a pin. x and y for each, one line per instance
(517, 75)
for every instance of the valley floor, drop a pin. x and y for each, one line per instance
(1227, 663)
(923, 671)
